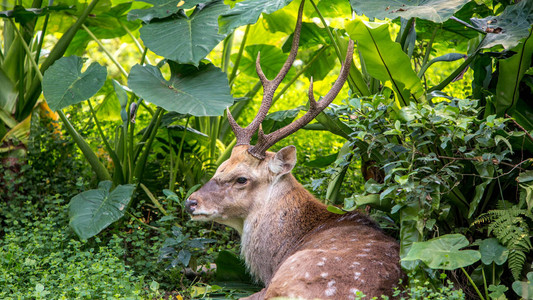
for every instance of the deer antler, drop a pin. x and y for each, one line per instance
(244, 135)
(265, 141)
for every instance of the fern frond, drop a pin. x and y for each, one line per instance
(510, 227)
(516, 262)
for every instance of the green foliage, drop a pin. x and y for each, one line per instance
(524, 289)
(423, 290)
(443, 252)
(511, 228)
(64, 83)
(42, 260)
(437, 11)
(429, 168)
(198, 33)
(180, 248)
(201, 91)
(92, 211)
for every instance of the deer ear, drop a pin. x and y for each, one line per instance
(283, 161)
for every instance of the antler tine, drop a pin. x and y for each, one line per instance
(266, 141)
(244, 135)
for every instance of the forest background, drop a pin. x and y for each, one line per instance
(112, 113)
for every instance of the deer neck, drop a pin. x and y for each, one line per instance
(277, 225)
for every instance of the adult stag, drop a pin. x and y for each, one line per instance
(289, 240)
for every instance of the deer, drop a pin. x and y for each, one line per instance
(289, 240)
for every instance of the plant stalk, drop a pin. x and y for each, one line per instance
(109, 55)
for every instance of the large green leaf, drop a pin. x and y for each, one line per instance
(161, 9)
(511, 71)
(108, 25)
(524, 289)
(201, 91)
(491, 251)
(325, 61)
(248, 12)
(310, 36)
(508, 28)
(434, 10)
(443, 253)
(272, 59)
(64, 84)
(334, 8)
(186, 39)
(23, 15)
(92, 211)
(385, 60)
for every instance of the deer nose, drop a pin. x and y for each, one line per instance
(190, 205)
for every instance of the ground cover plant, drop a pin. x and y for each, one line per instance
(116, 108)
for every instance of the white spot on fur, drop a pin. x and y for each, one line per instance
(362, 255)
(331, 290)
(307, 276)
(333, 248)
(356, 275)
(332, 239)
(366, 250)
(337, 258)
(370, 243)
(320, 263)
(324, 275)
(354, 240)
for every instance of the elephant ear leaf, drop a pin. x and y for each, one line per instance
(92, 211)
(64, 83)
(248, 12)
(443, 253)
(201, 91)
(186, 39)
(437, 11)
(161, 9)
(508, 28)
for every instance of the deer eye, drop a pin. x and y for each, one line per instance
(241, 180)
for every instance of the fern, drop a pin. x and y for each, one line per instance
(510, 226)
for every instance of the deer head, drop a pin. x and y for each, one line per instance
(250, 171)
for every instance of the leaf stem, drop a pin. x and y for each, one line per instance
(27, 50)
(473, 284)
(112, 153)
(109, 55)
(175, 173)
(101, 172)
(233, 74)
(135, 41)
(294, 78)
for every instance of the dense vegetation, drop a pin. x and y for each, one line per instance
(112, 113)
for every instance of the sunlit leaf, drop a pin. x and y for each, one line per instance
(272, 59)
(511, 72)
(385, 60)
(186, 39)
(434, 10)
(248, 12)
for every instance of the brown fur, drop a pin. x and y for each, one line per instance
(289, 240)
